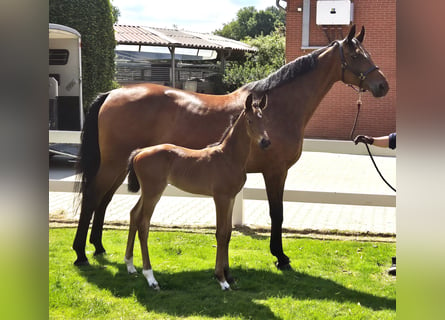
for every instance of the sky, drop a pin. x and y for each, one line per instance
(191, 15)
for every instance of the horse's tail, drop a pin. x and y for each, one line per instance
(89, 155)
(133, 183)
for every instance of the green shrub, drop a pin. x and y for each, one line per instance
(94, 20)
(269, 57)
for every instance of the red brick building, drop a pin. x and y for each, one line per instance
(334, 117)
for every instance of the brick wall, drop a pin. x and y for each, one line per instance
(335, 115)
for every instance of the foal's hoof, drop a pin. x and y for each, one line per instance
(155, 287)
(225, 286)
(81, 262)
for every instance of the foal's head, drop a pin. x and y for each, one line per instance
(255, 122)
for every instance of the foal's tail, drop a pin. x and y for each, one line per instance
(89, 154)
(133, 183)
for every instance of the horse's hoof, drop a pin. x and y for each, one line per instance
(81, 262)
(283, 266)
(99, 252)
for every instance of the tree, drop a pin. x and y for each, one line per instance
(94, 20)
(252, 23)
(269, 57)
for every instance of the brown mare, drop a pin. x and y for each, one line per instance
(218, 171)
(147, 114)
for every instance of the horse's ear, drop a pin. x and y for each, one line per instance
(351, 34)
(263, 102)
(361, 35)
(248, 104)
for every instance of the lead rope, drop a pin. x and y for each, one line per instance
(359, 104)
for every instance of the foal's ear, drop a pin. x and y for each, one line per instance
(248, 103)
(263, 102)
(361, 35)
(351, 34)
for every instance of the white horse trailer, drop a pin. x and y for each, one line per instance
(65, 85)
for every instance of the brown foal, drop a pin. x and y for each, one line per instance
(218, 171)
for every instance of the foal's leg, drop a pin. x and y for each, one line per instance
(147, 270)
(135, 219)
(275, 188)
(224, 207)
(143, 231)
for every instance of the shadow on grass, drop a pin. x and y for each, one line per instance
(188, 293)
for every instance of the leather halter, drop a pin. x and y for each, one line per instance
(345, 66)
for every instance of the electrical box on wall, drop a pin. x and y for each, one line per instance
(334, 12)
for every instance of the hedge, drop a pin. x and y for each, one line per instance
(94, 21)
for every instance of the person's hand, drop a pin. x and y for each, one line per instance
(364, 139)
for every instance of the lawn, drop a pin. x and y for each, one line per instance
(331, 279)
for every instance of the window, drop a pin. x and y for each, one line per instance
(58, 57)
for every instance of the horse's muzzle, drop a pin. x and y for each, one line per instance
(380, 89)
(264, 143)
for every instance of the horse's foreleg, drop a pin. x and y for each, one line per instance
(224, 207)
(275, 188)
(135, 214)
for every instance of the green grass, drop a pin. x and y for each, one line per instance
(330, 279)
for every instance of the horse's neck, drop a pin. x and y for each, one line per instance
(236, 144)
(305, 93)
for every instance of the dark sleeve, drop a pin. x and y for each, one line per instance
(392, 140)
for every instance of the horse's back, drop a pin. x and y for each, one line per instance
(149, 114)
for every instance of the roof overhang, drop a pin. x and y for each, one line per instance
(172, 38)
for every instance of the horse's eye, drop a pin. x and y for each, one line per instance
(355, 55)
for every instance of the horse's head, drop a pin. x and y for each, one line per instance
(255, 121)
(357, 66)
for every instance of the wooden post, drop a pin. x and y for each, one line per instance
(238, 209)
(173, 61)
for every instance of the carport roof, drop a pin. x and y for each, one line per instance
(140, 35)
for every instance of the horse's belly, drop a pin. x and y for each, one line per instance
(192, 185)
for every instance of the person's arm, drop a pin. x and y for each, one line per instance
(382, 142)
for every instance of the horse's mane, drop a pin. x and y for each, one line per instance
(233, 119)
(286, 73)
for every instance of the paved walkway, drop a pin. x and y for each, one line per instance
(315, 171)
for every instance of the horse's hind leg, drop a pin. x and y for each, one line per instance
(275, 188)
(99, 216)
(92, 198)
(87, 208)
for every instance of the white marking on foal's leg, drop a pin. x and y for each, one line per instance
(224, 285)
(148, 274)
(130, 266)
